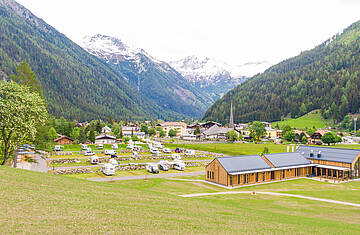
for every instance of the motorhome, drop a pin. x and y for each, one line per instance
(110, 152)
(84, 147)
(89, 152)
(179, 165)
(100, 146)
(167, 150)
(114, 146)
(163, 165)
(152, 168)
(189, 152)
(94, 160)
(108, 169)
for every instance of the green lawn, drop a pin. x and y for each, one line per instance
(38, 203)
(309, 120)
(232, 148)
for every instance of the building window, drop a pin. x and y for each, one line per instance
(231, 180)
(257, 177)
(263, 176)
(238, 179)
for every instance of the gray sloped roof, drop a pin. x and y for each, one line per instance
(243, 163)
(287, 159)
(214, 130)
(329, 154)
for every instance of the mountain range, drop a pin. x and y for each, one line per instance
(325, 78)
(154, 79)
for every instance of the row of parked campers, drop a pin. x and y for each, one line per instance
(134, 147)
(164, 166)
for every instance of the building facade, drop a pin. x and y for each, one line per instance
(306, 161)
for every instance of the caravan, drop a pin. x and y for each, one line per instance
(152, 168)
(94, 160)
(179, 165)
(108, 169)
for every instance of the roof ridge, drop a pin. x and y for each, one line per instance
(327, 147)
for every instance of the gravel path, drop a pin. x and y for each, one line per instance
(274, 194)
(136, 177)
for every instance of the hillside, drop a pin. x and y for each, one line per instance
(76, 84)
(325, 78)
(154, 79)
(64, 205)
(309, 120)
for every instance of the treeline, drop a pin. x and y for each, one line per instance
(325, 78)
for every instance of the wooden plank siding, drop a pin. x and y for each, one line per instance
(217, 174)
(331, 163)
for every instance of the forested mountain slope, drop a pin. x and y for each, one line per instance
(325, 78)
(154, 79)
(76, 84)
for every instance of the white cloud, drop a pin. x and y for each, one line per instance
(231, 30)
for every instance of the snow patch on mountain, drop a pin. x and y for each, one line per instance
(193, 67)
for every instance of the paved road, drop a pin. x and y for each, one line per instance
(40, 164)
(136, 177)
(273, 194)
(122, 164)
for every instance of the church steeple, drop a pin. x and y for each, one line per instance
(231, 121)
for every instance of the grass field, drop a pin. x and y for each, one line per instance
(40, 203)
(309, 120)
(232, 148)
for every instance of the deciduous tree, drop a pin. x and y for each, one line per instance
(21, 111)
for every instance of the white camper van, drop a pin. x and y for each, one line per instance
(110, 152)
(152, 168)
(114, 146)
(84, 147)
(113, 162)
(158, 145)
(57, 148)
(179, 165)
(108, 169)
(176, 156)
(167, 150)
(100, 146)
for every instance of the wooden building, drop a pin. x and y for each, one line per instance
(64, 140)
(335, 163)
(306, 161)
(105, 139)
(252, 169)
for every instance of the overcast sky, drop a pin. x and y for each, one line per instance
(234, 31)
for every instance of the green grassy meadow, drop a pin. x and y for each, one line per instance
(232, 149)
(63, 205)
(309, 120)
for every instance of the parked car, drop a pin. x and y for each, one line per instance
(167, 150)
(158, 145)
(94, 160)
(178, 150)
(138, 148)
(84, 147)
(100, 146)
(189, 152)
(114, 156)
(134, 154)
(110, 152)
(157, 153)
(152, 168)
(108, 169)
(57, 148)
(115, 146)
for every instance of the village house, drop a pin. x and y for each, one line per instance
(64, 140)
(128, 131)
(188, 137)
(332, 163)
(316, 137)
(203, 126)
(105, 139)
(216, 132)
(179, 127)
